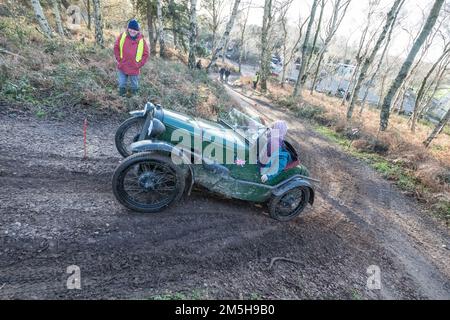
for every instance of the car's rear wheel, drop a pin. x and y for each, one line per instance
(290, 204)
(148, 182)
(128, 133)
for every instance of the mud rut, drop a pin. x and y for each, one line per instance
(58, 210)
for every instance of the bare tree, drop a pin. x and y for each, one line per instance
(401, 93)
(390, 20)
(98, 23)
(214, 11)
(298, 84)
(161, 33)
(265, 52)
(88, 9)
(422, 89)
(224, 39)
(192, 33)
(339, 12)
(431, 21)
(380, 63)
(59, 25)
(316, 36)
(40, 17)
(363, 47)
(243, 28)
(151, 31)
(438, 129)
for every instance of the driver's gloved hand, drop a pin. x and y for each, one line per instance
(264, 178)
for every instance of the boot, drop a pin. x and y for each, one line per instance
(134, 91)
(122, 91)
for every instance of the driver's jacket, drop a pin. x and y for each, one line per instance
(278, 161)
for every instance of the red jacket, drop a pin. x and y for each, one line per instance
(128, 64)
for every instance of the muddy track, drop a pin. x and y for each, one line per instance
(57, 209)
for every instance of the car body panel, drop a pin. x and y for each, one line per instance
(230, 179)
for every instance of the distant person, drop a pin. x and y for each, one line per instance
(227, 74)
(199, 65)
(255, 80)
(131, 52)
(222, 73)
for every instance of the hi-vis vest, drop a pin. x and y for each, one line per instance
(140, 48)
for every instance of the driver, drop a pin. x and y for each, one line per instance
(275, 157)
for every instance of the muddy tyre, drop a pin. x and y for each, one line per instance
(128, 133)
(290, 204)
(148, 182)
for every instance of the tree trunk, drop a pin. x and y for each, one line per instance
(316, 36)
(224, 39)
(336, 21)
(380, 63)
(431, 21)
(40, 17)
(88, 9)
(98, 23)
(174, 17)
(161, 35)
(242, 39)
(438, 129)
(59, 25)
(264, 65)
(192, 34)
(298, 84)
(151, 30)
(421, 91)
(390, 21)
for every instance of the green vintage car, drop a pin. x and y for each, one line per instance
(167, 152)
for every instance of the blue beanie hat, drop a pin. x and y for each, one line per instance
(133, 24)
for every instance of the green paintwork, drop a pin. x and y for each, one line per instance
(234, 185)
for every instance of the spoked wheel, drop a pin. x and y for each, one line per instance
(128, 132)
(290, 204)
(148, 182)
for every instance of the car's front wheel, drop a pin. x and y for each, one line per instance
(128, 132)
(148, 182)
(290, 204)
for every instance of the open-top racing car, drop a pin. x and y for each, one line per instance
(167, 152)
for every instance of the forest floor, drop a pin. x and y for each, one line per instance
(58, 210)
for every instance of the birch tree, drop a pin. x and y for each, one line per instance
(161, 33)
(422, 89)
(59, 25)
(40, 17)
(438, 129)
(224, 39)
(339, 11)
(98, 23)
(265, 51)
(298, 84)
(390, 20)
(289, 52)
(428, 27)
(151, 31)
(243, 29)
(214, 11)
(316, 36)
(192, 33)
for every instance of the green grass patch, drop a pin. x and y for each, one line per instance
(333, 135)
(192, 295)
(402, 176)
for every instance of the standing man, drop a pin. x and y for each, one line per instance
(131, 52)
